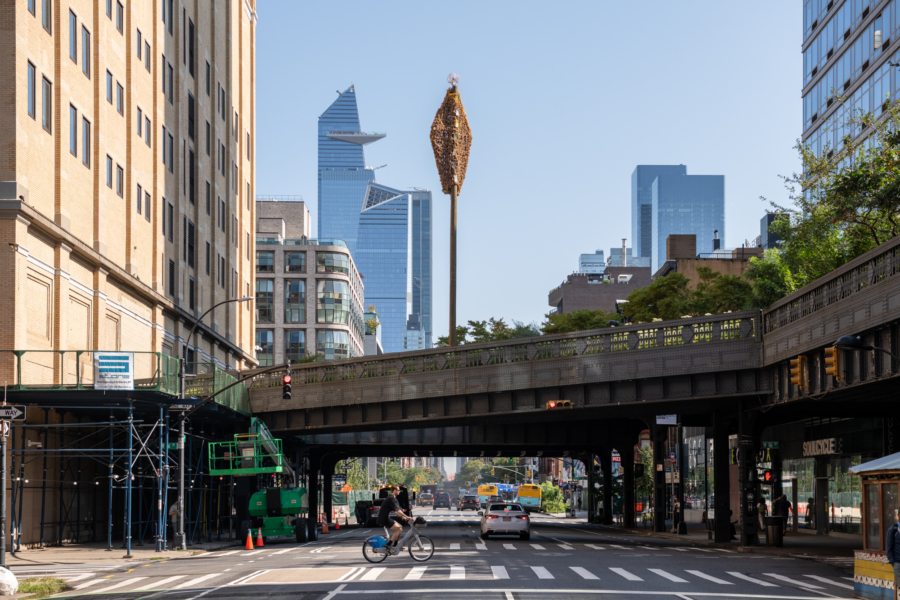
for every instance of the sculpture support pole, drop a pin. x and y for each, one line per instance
(453, 265)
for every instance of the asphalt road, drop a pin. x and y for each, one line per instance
(561, 560)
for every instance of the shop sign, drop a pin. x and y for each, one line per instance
(667, 419)
(822, 447)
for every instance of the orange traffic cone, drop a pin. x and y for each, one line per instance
(259, 540)
(324, 525)
(346, 521)
(249, 545)
(337, 524)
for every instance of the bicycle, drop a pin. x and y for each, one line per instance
(376, 549)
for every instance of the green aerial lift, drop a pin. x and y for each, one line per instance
(275, 510)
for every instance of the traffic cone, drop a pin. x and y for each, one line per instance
(249, 545)
(346, 521)
(337, 524)
(259, 540)
(324, 525)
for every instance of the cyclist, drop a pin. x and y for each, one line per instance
(392, 505)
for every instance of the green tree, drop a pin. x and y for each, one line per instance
(552, 500)
(771, 279)
(579, 320)
(357, 476)
(470, 470)
(665, 298)
(717, 293)
(492, 330)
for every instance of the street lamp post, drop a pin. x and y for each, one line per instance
(451, 139)
(181, 539)
(854, 342)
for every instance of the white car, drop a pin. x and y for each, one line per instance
(505, 518)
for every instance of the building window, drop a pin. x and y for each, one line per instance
(32, 111)
(109, 87)
(191, 178)
(294, 301)
(109, 171)
(86, 143)
(222, 272)
(73, 37)
(191, 35)
(191, 293)
(120, 181)
(147, 131)
(171, 16)
(109, 9)
(140, 122)
(295, 262)
(147, 56)
(265, 292)
(294, 345)
(139, 42)
(73, 130)
(333, 302)
(248, 145)
(333, 345)
(172, 278)
(264, 347)
(171, 85)
(331, 262)
(207, 79)
(147, 206)
(207, 138)
(164, 217)
(47, 15)
(120, 99)
(208, 195)
(31, 8)
(46, 104)
(265, 262)
(191, 120)
(171, 222)
(171, 154)
(86, 52)
(139, 197)
(207, 258)
(120, 17)
(191, 247)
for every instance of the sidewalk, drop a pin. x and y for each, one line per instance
(97, 553)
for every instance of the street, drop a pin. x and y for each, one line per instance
(561, 560)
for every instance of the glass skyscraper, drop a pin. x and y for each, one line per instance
(642, 205)
(686, 204)
(388, 231)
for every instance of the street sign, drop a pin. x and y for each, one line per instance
(180, 406)
(667, 419)
(12, 413)
(672, 457)
(659, 467)
(113, 370)
(773, 445)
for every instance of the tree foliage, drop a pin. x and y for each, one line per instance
(492, 330)
(671, 297)
(579, 320)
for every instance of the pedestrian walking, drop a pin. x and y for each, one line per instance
(782, 508)
(810, 513)
(892, 548)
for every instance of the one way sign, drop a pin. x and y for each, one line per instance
(12, 413)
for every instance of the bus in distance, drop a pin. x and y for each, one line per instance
(485, 492)
(529, 496)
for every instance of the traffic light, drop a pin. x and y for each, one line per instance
(833, 363)
(799, 373)
(286, 386)
(528, 473)
(555, 404)
(492, 471)
(768, 476)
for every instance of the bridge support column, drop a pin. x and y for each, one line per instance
(606, 462)
(312, 493)
(627, 467)
(748, 483)
(327, 488)
(721, 480)
(660, 497)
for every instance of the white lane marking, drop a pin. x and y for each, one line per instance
(158, 584)
(194, 582)
(118, 585)
(595, 547)
(333, 593)
(700, 549)
(622, 547)
(500, 573)
(89, 583)
(668, 576)
(508, 596)
(351, 574)
(283, 551)
(565, 546)
(509, 546)
(254, 552)
(679, 549)
(794, 581)
(454, 546)
(415, 573)
(457, 572)
(824, 580)
(703, 575)
(722, 550)
(481, 546)
(537, 546)
(847, 578)
(373, 573)
(241, 580)
(78, 578)
(585, 574)
(751, 579)
(542, 573)
(648, 548)
(229, 553)
(625, 574)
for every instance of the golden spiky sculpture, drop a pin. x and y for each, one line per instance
(451, 139)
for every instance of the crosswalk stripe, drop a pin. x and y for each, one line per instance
(120, 584)
(158, 584)
(703, 575)
(415, 573)
(723, 550)
(668, 576)
(565, 546)
(89, 583)
(254, 552)
(751, 579)
(585, 574)
(373, 573)
(283, 551)
(77, 577)
(679, 549)
(509, 546)
(542, 573)
(480, 546)
(457, 572)
(625, 574)
(595, 547)
(700, 549)
(500, 573)
(194, 582)
(622, 547)
(454, 546)
(794, 581)
(537, 546)
(236, 551)
(824, 580)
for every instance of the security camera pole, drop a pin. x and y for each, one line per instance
(451, 139)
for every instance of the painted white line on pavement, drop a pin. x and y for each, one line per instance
(194, 582)
(794, 581)
(565, 546)
(509, 546)
(454, 546)
(622, 547)
(348, 576)
(481, 546)
(824, 580)
(285, 550)
(335, 592)
(500, 573)
(78, 578)
(679, 549)
(89, 583)
(751, 579)
(158, 584)
(595, 547)
(118, 585)
(542, 573)
(585, 574)
(625, 574)
(668, 576)
(415, 573)
(252, 553)
(700, 549)
(537, 546)
(373, 573)
(543, 591)
(457, 572)
(227, 553)
(703, 575)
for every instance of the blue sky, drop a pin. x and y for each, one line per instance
(564, 99)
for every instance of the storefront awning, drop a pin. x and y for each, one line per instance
(885, 463)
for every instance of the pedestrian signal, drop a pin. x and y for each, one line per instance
(768, 476)
(554, 404)
(833, 363)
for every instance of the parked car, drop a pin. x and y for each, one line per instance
(468, 502)
(506, 518)
(441, 500)
(425, 498)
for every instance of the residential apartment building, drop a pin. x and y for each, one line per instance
(309, 293)
(126, 178)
